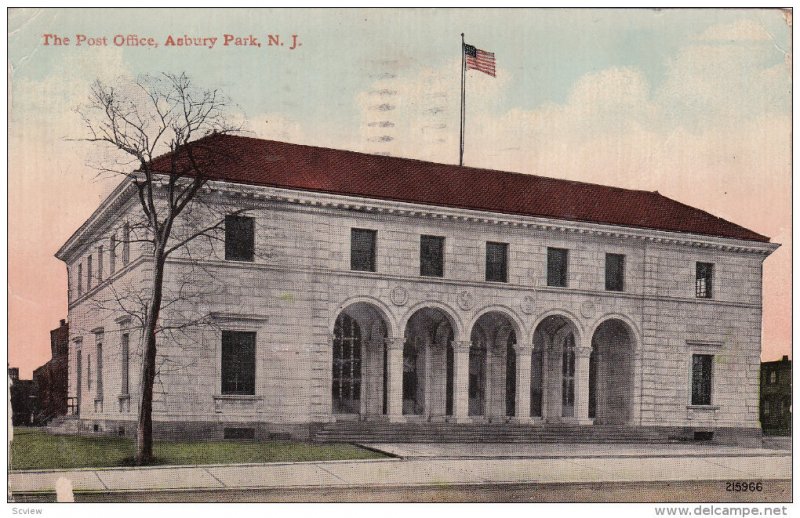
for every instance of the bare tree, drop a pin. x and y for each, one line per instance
(167, 129)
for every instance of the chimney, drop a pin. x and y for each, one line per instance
(785, 358)
(62, 322)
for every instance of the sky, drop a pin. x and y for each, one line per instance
(695, 104)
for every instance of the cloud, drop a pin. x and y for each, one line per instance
(741, 30)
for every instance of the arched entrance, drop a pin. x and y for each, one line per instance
(492, 366)
(611, 373)
(358, 373)
(428, 364)
(553, 362)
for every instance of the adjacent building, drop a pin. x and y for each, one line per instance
(351, 288)
(23, 399)
(51, 378)
(776, 396)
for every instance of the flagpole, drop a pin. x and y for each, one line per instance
(463, 105)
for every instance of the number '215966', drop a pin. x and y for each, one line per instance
(742, 486)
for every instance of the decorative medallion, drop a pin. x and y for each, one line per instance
(465, 300)
(528, 304)
(399, 296)
(587, 309)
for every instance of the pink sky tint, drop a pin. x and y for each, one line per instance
(697, 108)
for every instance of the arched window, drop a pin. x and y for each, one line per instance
(568, 376)
(346, 366)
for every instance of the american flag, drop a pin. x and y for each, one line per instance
(479, 60)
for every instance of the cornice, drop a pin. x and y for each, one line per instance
(325, 201)
(321, 200)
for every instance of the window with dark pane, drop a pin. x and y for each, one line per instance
(431, 256)
(362, 250)
(615, 272)
(125, 364)
(705, 280)
(557, 267)
(346, 375)
(238, 362)
(497, 262)
(701, 378)
(239, 238)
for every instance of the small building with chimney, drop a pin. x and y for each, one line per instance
(776, 396)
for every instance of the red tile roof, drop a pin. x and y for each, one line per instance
(309, 168)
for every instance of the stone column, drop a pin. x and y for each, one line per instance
(394, 368)
(582, 355)
(522, 410)
(461, 381)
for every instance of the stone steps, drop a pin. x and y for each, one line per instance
(365, 432)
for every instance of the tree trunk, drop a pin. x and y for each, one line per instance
(144, 430)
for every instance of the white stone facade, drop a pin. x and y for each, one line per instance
(301, 281)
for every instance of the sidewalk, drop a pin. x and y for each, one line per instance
(621, 464)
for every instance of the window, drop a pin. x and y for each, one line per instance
(346, 375)
(497, 262)
(99, 263)
(89, 371)
(431, 256)
(557, 267)
(773, 377)
(80, 279)
(704, 283)
(615, 272)
(112, 255)
(701, 379)
(100, 371)
(238, 363)
(239, 238)
(126, 243)
(89, 272)
(124, 368)
(362, 250)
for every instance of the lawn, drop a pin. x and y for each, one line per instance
(35, 449)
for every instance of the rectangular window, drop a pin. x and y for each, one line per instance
(99, 371)
(80, 279)
(112, 255)
(615, 272)
(99, 263)
(124, 368)
(557, 267)
(89, 371)
(239, 238)
(701, 379)
(362, 249)
(431, 256)
(238, 362)
(89, 272)
(126, 243)
(705, 280)
(496, 262)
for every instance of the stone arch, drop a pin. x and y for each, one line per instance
(573, 319)
(359, 358)
(377, 305)
(452, 315)
(555, 338)
(612, 371)
(632, 326)
(429, 331)
(508, 313)
(494, 333)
